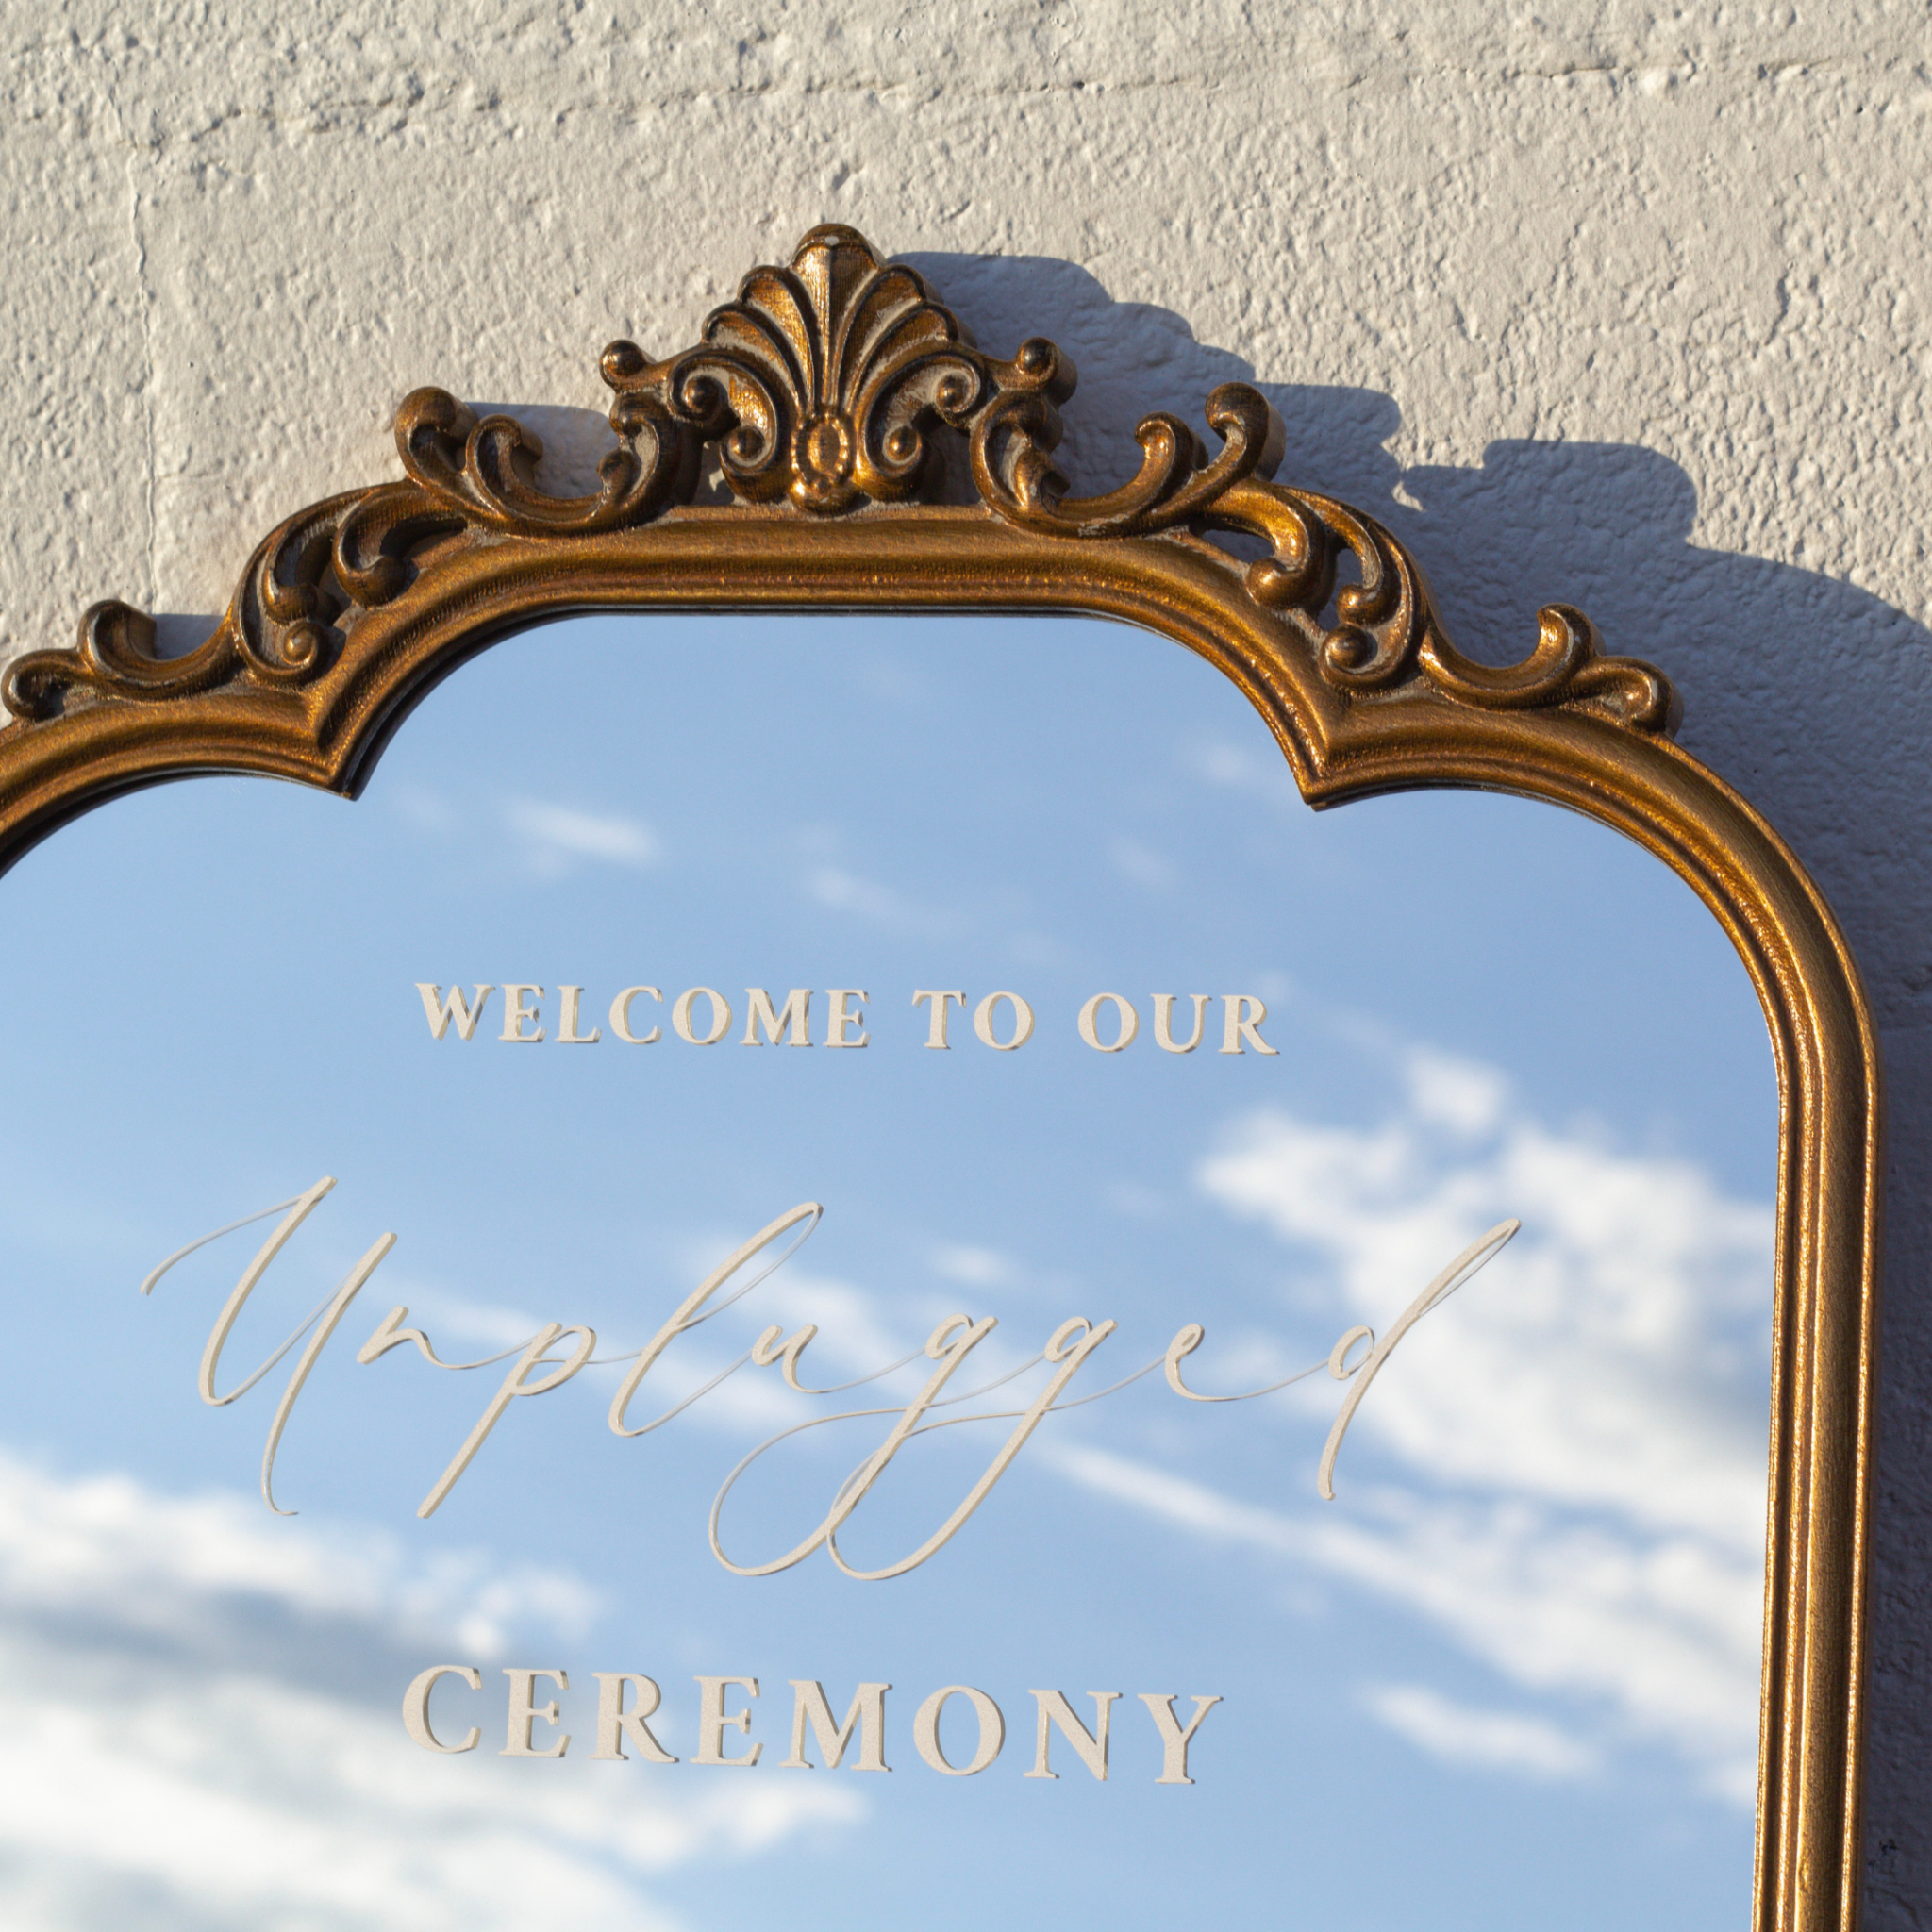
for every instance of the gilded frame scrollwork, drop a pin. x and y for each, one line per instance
(818, 404)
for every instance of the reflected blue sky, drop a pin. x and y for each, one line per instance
(1509, 1672)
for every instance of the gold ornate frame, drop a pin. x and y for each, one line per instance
(825, 395)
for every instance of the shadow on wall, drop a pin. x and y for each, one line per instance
(1813, 697)
(1790, 679)
(1785, 674)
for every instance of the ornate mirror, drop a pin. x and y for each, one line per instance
(831, 1263)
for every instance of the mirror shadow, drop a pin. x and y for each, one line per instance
(1810, 695)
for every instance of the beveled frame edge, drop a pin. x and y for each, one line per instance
(319, 711)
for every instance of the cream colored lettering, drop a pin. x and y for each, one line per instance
(514, 1384)
(1187, 1339)
(1023, 1022)
(1338, 1364)
(840, 1020)
(721, 1016)
(1361, 1371)
(1174, 1740)
(1056, 1714)
(299, 1211)
(713, 1718)
(522, 1714)
(993, 1730)
(338, 1307)
(567, 1034)
(949, 1344)
(936, 1015)
(416, 1707)
(619, 1016)
(389, 1333)
(442, 1011)
(867, 1711)
(1066, 1348)
(796, 1015)
(1163, 1023)
(774, 1345)
(1438, 1290)
(1241, 1017)
(1356, 1359)
(690, 1311)
(516, 1016)
(154, 1274)
(817, 1739)
(615, 1724)
(324, 1319)
(1127, 1023)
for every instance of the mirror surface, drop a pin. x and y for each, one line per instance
(1509, 1674)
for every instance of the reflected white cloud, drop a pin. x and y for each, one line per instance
(557, 836)
(851, 1330)
(1174, 1499)
(1241, 769)
(70, 1546)
(1562, 1467)
(200, 1748)
(848, 891)
(1457, 1094)
(1141, 865)
(974, 1267)
(1496, 1739)
(429, 811)
(1613, 1356)
(457, 1318)
(845, 891)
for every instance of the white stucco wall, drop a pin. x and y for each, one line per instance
(1620, 304)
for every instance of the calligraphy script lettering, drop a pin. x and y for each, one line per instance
(557, 1352)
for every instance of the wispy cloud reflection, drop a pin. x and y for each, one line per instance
(203, 1745)
(1568, 1461)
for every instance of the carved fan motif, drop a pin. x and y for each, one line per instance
(819, 382)
(821, 389)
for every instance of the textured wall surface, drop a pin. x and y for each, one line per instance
(1622, 304)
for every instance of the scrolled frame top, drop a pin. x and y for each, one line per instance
(823, 389)
(826, 394)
